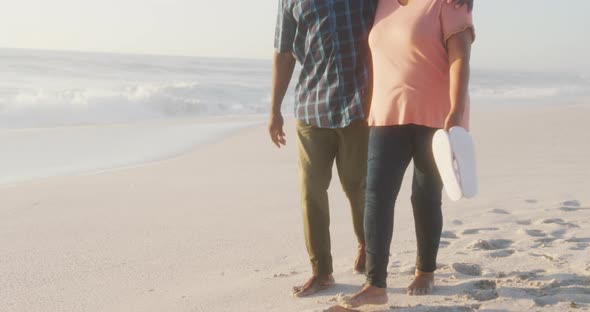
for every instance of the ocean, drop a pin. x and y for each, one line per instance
(65, 113)
(50, 88)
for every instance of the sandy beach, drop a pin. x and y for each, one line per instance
(219, 229)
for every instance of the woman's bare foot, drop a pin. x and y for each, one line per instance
(422, 285)
(369, 295)
(360, 263)
(313, 285)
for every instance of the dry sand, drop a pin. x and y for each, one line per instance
(219, 229)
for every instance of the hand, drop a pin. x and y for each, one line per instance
(275, 129)
(460, 3)
(453, 120)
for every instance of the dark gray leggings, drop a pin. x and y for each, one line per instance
(391, 149)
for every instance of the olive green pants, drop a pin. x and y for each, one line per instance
(318, 148)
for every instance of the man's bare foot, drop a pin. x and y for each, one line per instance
(369, 295)
(422, 285)
(360, 263)
(313, 285)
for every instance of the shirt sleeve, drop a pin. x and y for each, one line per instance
(285, 29)
(455, 20)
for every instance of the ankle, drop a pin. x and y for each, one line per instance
(324, 277)
(374, 289)
(421, 274)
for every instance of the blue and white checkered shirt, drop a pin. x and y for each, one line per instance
(329, 39)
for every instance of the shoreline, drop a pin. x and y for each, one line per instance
(219, 229)
(177, 137)
(234, 124)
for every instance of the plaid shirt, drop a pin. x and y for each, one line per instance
(329, 39)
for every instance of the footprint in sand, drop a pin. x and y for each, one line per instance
(470, 269)
(444, 244)
(558, 233)
(457, 222)
(546, 240)
(394, 264)
(531, 201)
(578, 240)
(572, 209)
(492, 244)
(484, 290)
(560, 290)
(520, 276)
(285, 275)
(574, 280)
(579, 243)
(580, 246)
(553, 221)
(476, 231)
(560, 222)
(425, 308)
(338, 308)
(545, 301)
(553, 259)
(571, 225)
(571, 203)
(523, 222)
(499, 211)
(501, 253)
(526, 275)
(535, 233)
(449, 235)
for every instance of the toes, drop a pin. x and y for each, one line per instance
(418, 291)
(305, 292)
(301, 293)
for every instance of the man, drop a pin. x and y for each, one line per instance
(329, 40)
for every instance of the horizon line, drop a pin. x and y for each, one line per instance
(269, 59)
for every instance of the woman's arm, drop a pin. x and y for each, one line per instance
(459, 50)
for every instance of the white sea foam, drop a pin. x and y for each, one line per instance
(44, 88)
(47, 89)
(514, 88)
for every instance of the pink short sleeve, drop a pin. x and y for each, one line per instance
(455, 20)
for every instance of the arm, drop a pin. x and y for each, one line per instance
(459, 3)
(459, 50)
(283, 65)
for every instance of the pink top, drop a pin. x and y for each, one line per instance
(410, 62)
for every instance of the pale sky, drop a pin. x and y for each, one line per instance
(517, 34)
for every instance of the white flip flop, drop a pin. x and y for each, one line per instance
(454, 154)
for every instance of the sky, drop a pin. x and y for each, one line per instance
(511, 34)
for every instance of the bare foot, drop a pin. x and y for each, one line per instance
(360, 263)
(422, 285)
(369, 295)
(313, 285)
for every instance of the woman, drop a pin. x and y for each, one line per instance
(421, 51)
